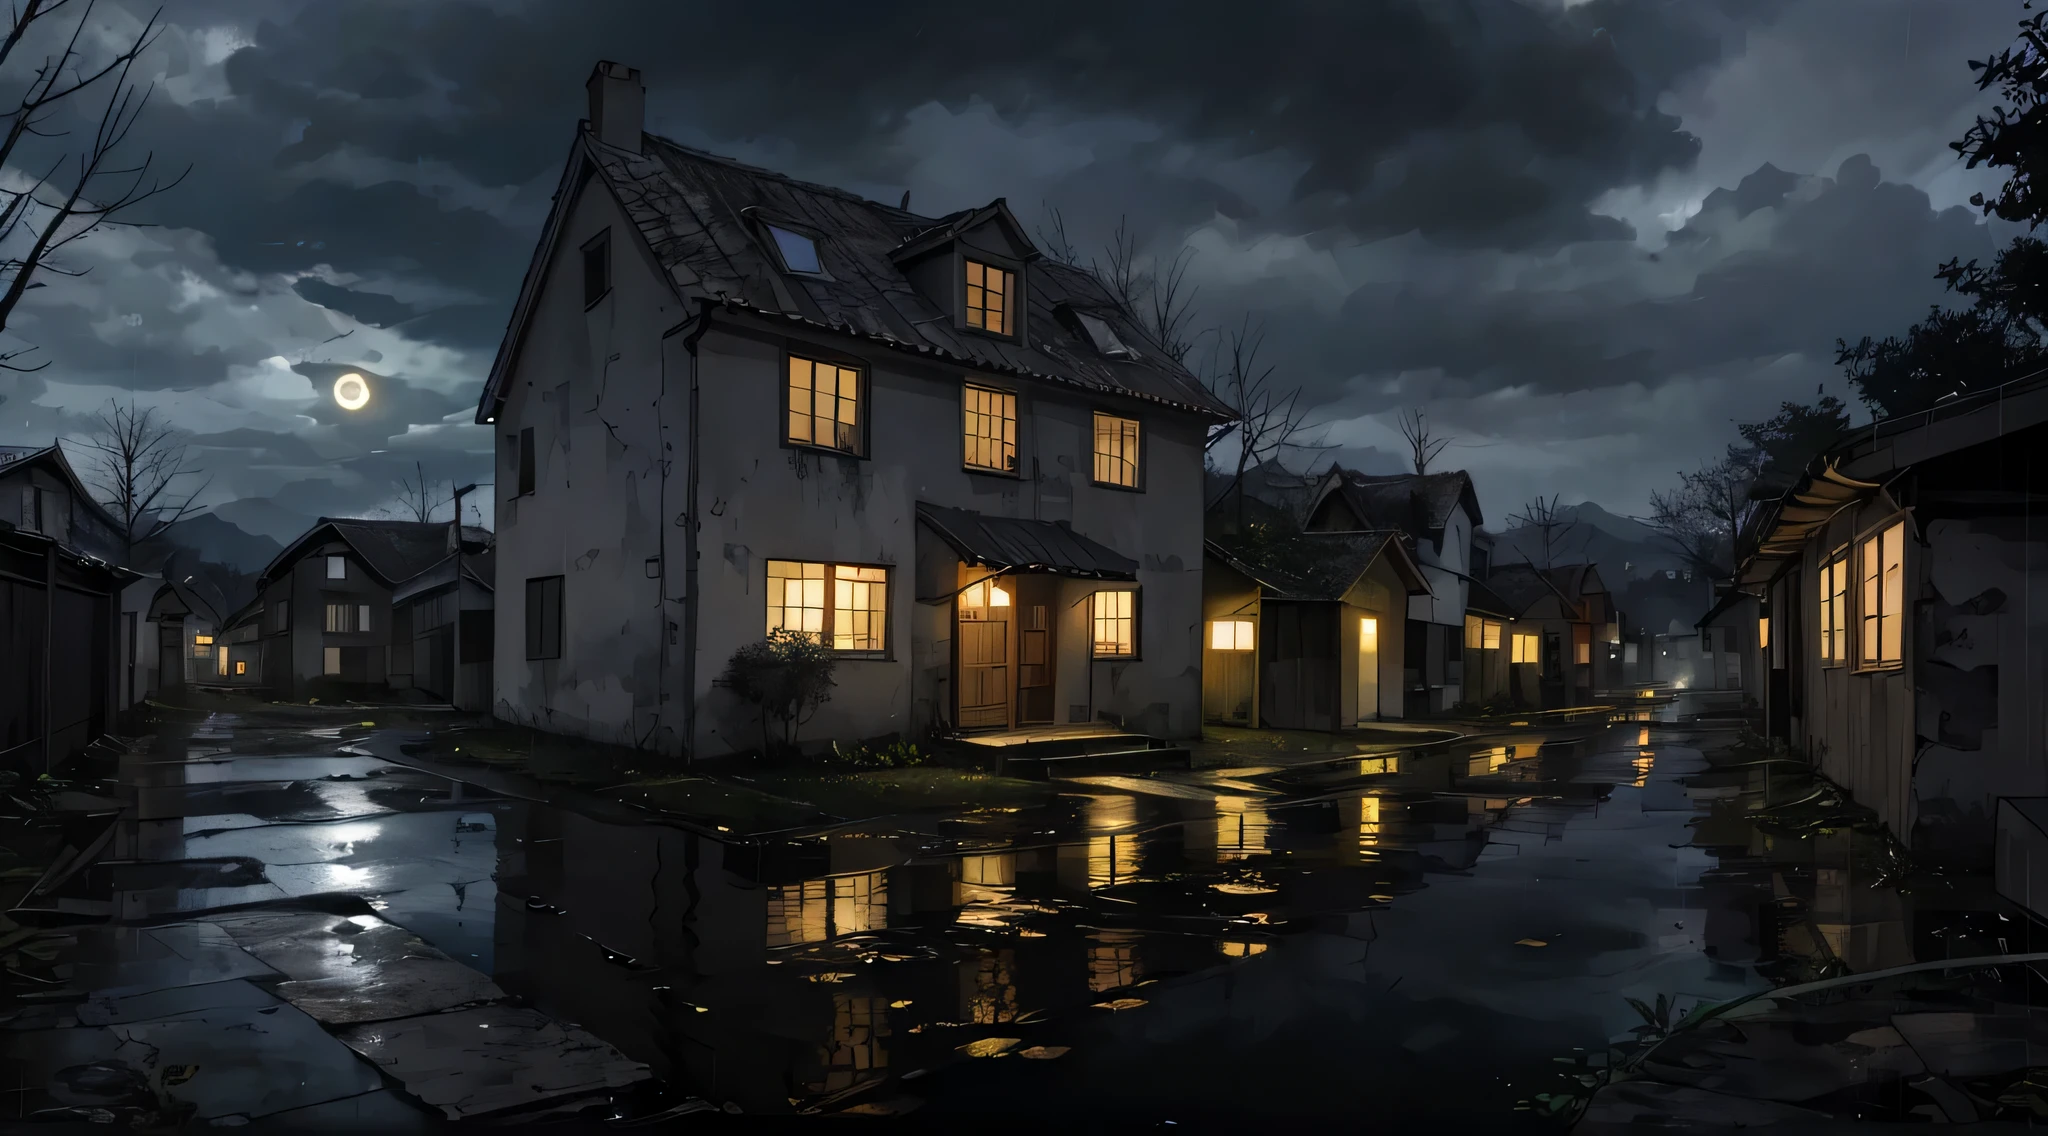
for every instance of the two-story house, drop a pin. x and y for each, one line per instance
(1438, 513)
(1564, 644)
(324, 604)
(730, 402)
(72, 635)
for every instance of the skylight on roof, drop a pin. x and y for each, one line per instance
(1105, 337)
(799, 252)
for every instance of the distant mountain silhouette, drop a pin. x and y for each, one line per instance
(1648, 576)
(210, 538)
(262, 518)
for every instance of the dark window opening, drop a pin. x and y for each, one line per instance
(526, 461)
(544, 618)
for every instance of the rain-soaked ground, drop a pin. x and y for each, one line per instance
(1441, 936)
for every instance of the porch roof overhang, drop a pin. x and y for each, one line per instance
(1019, 545)
(1797, 516)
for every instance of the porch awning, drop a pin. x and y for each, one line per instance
(1024, 546)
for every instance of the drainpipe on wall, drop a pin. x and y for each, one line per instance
(692, 522)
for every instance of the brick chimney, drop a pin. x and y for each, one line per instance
(618, 105)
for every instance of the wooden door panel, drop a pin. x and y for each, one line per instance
(984, 673)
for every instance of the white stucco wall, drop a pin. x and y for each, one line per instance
(1446, 570)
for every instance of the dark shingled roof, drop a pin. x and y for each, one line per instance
(1417, 504)
(1015, 543)
(394, 551)
(1523, 585)
(1482, 600)
(1315, 566)
(702, 216)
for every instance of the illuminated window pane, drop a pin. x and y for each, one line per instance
(1492, 639)
(850, 615)
(1475, 631)
(989, 423)
(1116, 625)
(824, 405)
(1116, 451)
(989, 290)
(1231, 635)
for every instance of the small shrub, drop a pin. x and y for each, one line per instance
(894, 755)
(785, 677)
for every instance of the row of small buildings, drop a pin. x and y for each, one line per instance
(729, 402)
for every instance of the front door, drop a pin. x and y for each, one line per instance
(1035, 648)
(1368, 668)
(986, 608)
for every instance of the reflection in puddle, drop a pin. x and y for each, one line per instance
(817, 910)
(1241, 826)
(1112, 960)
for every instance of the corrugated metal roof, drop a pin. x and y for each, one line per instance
(702, 216)
(1024, 545)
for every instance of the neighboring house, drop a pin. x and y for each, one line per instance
(1307, 632)
(1733, 636)
(326, 601)
(729, 402)
(1900, 577)
(1490, 625)
(441, 638)
(188, 613)
(1272, 495)
(71, 630)
(1438, 512)
(1564, 614)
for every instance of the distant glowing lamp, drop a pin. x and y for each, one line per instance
(352, 391)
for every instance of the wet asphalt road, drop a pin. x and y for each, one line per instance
(1411, 939)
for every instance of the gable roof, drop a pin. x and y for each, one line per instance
(1317, 566)
(1857, 467)
(51, 458)
(1523, 586)
(1482, 600)
(479, 568)
(1728, 602)
(700, 217)
(1573, 581)
(1419, 504)
(393, 551)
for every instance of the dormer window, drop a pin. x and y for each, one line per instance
(1104, 337)
(991, 298)
(799, 253)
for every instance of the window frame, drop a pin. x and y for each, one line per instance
(1138, 466)
(1534, 652)
(330, 662)
(1833, 608)
(525, 462)
(863, 404)
(1137, 618)
(831, 607)
(766, 226)
(1016, 421)
(337, 567)
(1236, 623)
(535, 629)
(1016, 307)
(601, 246)
(1872, 538)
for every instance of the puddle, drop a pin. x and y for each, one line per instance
(1427, 931)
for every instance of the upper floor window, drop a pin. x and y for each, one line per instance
(989, 428)
(843, 606)
(523, 454)
(991, 298)
(1884, 594)
(597, 268)
(337, 567)
(348, 617)
(799, 253)
(1116, 451)
(1834, 612)
(202, 646)
(824, 405)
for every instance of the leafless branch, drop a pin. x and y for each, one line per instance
(1550, 524)
(101, 188)
(1270, 421)
(1053, 236)
(417, 495)
(1422, 447)
(1160, 300)
(1702, 517)
(138, 463)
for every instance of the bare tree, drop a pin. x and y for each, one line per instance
(1701, 518)
(1270, 421)
(416, 495)
(1053, 236)
(80, 190)
(1158, 297)
(1423, 447)
(138, 461)
(1551, 527)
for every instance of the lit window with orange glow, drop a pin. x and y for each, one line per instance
(1116, 624)
(1763, 633)
(990, 293)
(1884, 594)
(843, 606)
(1231, 635)
(1116, 451)
(1524, 649)
(989, 428)
(824, 405)
(1834, 612)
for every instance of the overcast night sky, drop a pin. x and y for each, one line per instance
(1587, 237)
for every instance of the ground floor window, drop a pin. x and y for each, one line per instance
(241, 666)
(1482, 634)
(1524, 648)
(544, 617)
(330, 660)
(202, 646)
(1231, 635)
(1116, 624)
(844, 606)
